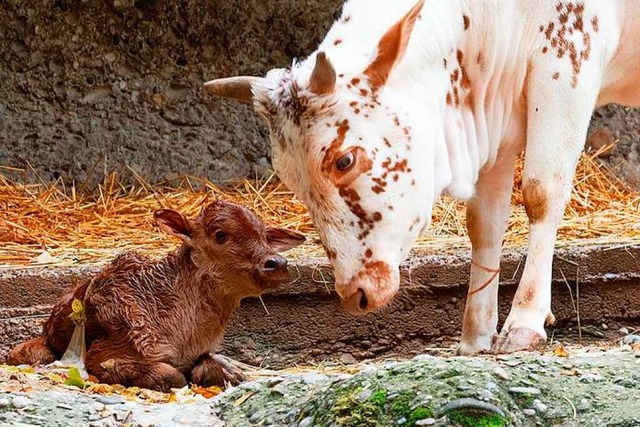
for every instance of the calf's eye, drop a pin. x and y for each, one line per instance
(221, 236)
(345, 162)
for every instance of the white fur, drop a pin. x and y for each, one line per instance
(469, 151)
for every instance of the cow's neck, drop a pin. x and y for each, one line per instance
(457, 157)
(479, 113)
(434, 76)
(465, 137)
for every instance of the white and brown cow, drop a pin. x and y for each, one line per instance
(405, 101)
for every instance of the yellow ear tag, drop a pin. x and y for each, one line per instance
(77, 315)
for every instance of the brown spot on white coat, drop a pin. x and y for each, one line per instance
(536, 200)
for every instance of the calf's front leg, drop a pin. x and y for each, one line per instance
(558, 118)
(214, 370)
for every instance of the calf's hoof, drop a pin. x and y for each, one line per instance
(517, 339)
(154, 376)
(169, 381)
(163, 377)
(216, 371)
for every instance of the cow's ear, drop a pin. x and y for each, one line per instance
(174, 223)
(239, 88)
(392, 47)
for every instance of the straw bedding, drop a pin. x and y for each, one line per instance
(59, 224)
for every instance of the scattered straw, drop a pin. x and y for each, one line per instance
(59, 224)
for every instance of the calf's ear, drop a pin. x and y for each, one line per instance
(174, 223)
(282, 240)
(392, 47)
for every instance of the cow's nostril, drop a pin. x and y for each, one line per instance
(363, 300)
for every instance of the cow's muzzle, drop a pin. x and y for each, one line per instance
(370, 289)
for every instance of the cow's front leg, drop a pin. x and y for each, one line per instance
(487, 218)
(558, 118)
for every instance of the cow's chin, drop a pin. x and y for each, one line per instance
(370, 289)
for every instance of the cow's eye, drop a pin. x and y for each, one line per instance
(345, 162)
(221, 236)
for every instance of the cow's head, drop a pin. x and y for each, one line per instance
(348, 146)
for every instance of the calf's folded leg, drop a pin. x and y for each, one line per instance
(32, 352)
(56, 334)
(59, 327)
(215, 371)
(113, 362)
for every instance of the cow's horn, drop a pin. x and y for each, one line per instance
(323, 78)
(233, 87)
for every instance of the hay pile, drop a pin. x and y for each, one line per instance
(59, 224)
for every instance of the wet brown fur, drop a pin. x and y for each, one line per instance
(152, 323)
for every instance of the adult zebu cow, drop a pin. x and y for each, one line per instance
(404, 101)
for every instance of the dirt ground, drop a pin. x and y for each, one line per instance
(624, 125)
(98, 85)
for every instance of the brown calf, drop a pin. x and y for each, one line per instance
(153, 324)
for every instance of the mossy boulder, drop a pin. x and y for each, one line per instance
(590, 389)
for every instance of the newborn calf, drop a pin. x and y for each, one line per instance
(153, 324)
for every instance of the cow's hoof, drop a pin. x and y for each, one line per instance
(470, 350)
(479, 345)
(517, 339)
(550, 320)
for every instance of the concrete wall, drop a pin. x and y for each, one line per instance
(87, 83)
(88, 86)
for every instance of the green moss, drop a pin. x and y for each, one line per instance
(418, 414)
(379, 397)
(350, 412)
(401, 407)
(475, 419)
(525, 401)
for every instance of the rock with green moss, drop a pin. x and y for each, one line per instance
(590, 389)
